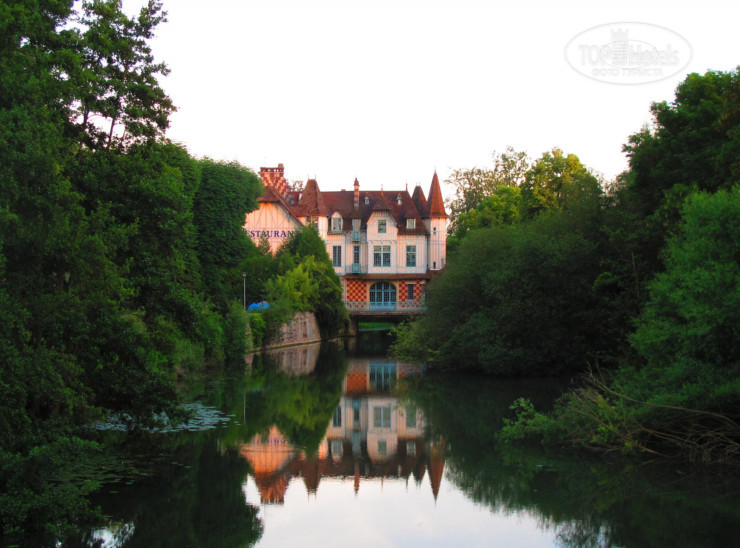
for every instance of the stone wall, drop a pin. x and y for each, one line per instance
(302, 329)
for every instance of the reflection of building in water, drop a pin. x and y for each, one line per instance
(371, 435)
(295, 360)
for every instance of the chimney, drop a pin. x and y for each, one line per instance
(357, 194)
(274, 177)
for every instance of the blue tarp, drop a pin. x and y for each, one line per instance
(259, 306)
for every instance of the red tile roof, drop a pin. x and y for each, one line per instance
(312, 199)
(436, 205)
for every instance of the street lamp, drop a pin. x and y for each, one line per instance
(244, 290)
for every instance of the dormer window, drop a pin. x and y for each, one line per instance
(382, 228)
(410, 224)
(336, 224)
(367, 200)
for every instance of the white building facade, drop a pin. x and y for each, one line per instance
(384, 245)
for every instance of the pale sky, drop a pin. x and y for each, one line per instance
(390, 91)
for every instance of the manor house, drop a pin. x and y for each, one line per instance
(384, 244)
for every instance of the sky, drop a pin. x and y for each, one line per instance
(389, 92)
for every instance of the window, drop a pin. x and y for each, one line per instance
(434, 230)
(382, 255)
(337, 449)
(411, 448)
(337, 418)
(411, 417)
(356, 254)
(382, 226)
(382, 416)
(383, 376)
(382, 297)
(410, 223)
(336, 224)
(356, 224)
(382, 447)
(336, 255)
(356, 412)
(409, 292)
(410, 255)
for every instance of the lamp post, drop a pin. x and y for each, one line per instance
(244, 290)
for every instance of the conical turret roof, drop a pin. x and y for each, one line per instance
(435, 205)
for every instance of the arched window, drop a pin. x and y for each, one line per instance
(383, 296)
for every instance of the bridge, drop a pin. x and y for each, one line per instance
(393, 312)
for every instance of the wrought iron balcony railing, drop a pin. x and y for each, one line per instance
(391, 306)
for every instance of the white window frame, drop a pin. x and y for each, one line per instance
(411, 253)
(410, 224)
(382, 256)
(336, 224)
(382, 416)
(382, 226)
(336, 255)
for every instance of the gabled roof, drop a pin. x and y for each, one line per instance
(435, 205)
(342, 201)
(271, 195)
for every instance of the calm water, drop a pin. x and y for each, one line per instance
(342, 447)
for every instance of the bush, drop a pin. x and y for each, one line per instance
(258, 327)
(238, 338)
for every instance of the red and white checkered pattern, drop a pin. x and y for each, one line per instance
(357, 291)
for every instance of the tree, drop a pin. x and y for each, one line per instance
(692, 144)
(556, 180)
(689, 329)
(472, 186)
(70, 349)
(227, 192)
(503, 207)
(117, 76)
(306, 248)
(514, 301)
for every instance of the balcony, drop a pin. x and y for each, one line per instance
(356, 268)
(399, 308)
(356, 235)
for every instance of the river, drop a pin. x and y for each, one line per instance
(336, 445)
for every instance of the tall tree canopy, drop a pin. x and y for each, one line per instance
(693, 144)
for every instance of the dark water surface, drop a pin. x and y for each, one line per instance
(322, 445)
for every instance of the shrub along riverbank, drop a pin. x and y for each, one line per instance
(634, 284)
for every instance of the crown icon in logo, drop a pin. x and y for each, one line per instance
(620, 35)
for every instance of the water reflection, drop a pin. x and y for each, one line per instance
(370, 436)
(340, 446)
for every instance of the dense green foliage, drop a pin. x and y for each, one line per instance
(518, 295)
(300, 277)
(226, 192)
(641, 275)
(120, 255)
